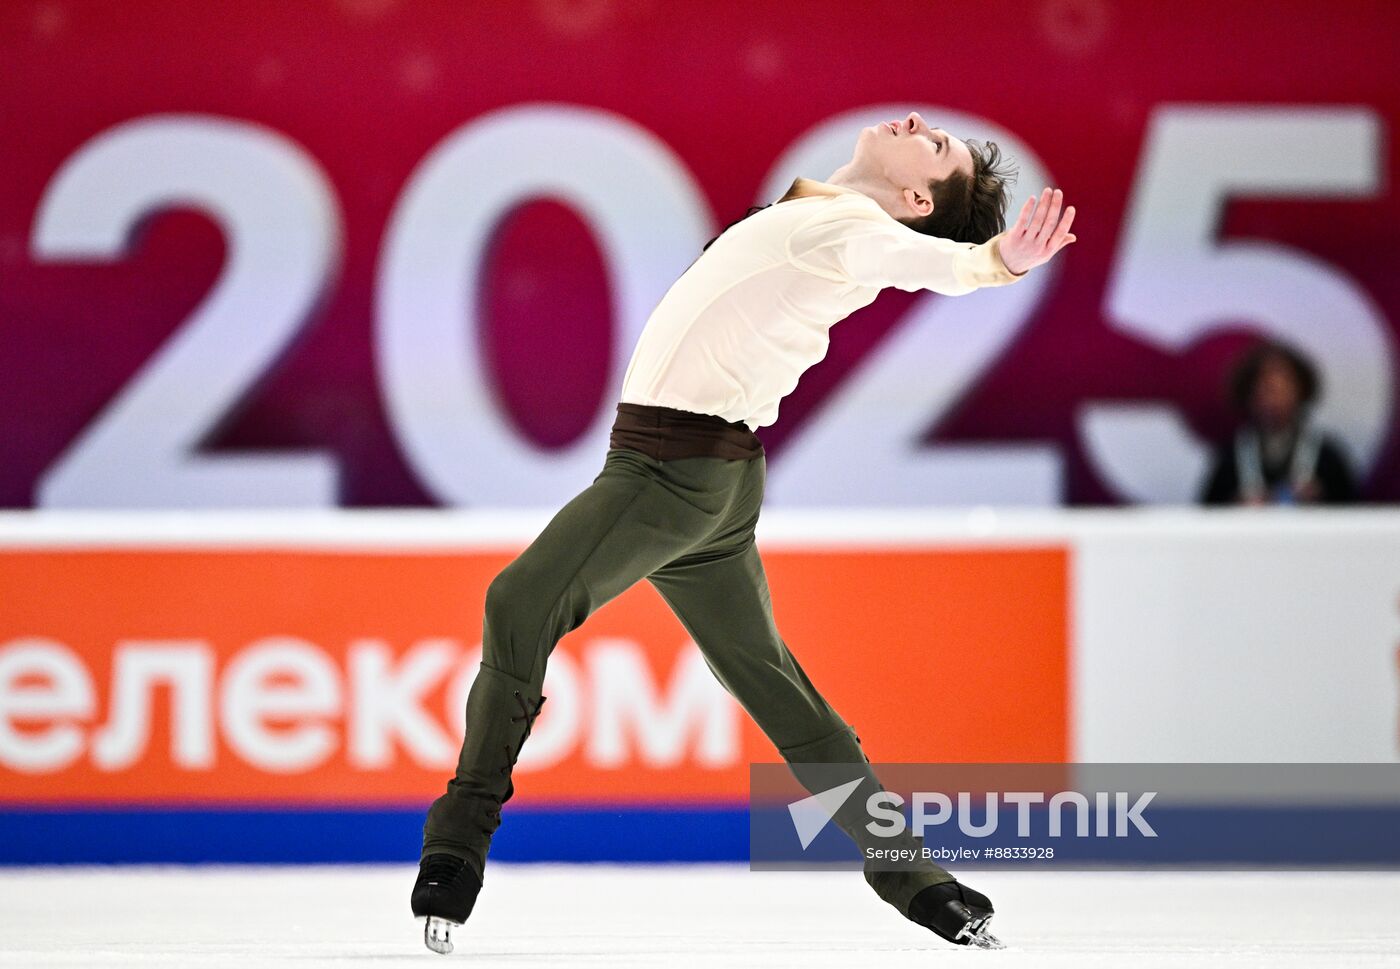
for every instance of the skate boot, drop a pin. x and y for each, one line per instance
(918, 889)
(444, 895)
(955, 913)
(501, 709)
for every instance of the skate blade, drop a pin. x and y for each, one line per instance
(437, 934)
(975, 935)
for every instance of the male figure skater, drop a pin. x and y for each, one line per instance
(678, 497)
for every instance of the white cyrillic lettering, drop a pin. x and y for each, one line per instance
(386, 703)
(66, 694)
(625, 700)
(283, 679)
(187, 667)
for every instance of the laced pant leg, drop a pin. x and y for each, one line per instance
(635, 517)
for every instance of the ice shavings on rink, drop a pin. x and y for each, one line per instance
(677, 917)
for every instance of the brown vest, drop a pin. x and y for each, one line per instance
(667, 434)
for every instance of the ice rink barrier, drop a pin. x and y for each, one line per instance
(287, 687)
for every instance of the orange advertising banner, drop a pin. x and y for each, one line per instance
(220, 675)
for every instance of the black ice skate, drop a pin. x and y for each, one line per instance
(457, 835)
(444, 895)
(955, 913)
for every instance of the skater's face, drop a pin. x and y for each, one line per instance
(909, 154)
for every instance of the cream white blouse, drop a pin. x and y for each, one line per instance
(737, 330)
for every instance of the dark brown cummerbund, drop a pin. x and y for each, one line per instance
(667, 434)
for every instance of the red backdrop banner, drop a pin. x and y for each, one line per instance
(277, 180)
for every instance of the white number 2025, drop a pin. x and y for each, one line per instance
(283, 230)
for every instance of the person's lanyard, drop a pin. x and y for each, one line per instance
(1249, 466)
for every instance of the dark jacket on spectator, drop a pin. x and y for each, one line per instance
(1314, 456)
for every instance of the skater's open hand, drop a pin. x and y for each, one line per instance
(1040, 232)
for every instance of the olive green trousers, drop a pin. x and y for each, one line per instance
(687, 526)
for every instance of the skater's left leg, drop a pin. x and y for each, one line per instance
(722, 598)
(720, 593)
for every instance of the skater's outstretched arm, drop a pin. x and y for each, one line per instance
(868, 250)
(1041, 230)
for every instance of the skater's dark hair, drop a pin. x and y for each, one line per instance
(1245, 375)
(966, 208)
(970, 208)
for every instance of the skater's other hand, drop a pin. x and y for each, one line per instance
(1040, 232)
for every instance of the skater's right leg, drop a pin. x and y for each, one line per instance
(638, 514)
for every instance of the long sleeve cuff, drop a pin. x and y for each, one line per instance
(982, 265)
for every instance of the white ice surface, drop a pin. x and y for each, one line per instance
(680, 917)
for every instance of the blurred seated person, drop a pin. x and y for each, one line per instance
(1279, 456)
